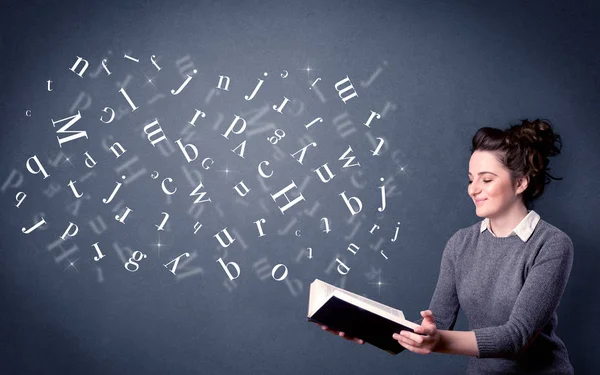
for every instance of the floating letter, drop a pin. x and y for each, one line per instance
(348, 159)
(232, 126)
(326, 167)
(373, 114)
(68, 231)
(39, 223)
(122, 218)
(302, 151)
(200, 194)
(187, 80)
(176, 261)
(260, 82)
(313, 121)
(341, 91)
(162, 224)
(135, 257)
(396, 234)
(98, 251)
(147, 130)
(218, 237)
(235, 266)
(237, 188)
(285, 272)
(347, 201)
(283, 192)
(40, 167)
(85, 65)
(107, 201)
(20, 200)
(133, 107)
(259, 226)
(65, 129)
(71, 184)
(380, 209)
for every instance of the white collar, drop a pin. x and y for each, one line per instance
(523, 230)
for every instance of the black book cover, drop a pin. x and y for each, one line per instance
(360, 323)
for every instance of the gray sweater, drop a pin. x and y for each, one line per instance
(509, 291)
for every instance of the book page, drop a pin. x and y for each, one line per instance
(320, 292)
(378, 305)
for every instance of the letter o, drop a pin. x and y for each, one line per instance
(285, 272)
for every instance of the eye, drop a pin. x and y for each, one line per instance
(487, 181)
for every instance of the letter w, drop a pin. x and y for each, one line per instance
(200, 194)
(348, 159)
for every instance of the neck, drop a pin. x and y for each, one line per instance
(503, 224)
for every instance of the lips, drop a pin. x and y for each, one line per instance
(479, 201)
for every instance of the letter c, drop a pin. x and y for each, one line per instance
(297, 233)
(260, 171)
(28, 113)
(204, 161)
(164, 188)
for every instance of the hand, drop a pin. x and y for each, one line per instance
(341, 334)
(417, 343)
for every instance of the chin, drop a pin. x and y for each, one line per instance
(481, 213)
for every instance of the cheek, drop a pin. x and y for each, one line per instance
(498, 191)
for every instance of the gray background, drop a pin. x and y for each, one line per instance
(446, 70)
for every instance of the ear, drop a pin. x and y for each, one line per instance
(522, 184)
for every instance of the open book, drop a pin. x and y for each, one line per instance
(357, 316)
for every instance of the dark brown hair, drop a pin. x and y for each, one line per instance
(524, 149)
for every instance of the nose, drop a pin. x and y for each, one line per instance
(473, 189)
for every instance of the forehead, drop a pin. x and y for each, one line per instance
(485, 161)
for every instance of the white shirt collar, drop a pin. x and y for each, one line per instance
(523, 230)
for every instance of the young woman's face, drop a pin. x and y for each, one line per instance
(490, 185)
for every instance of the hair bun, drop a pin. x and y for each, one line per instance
(537, 134)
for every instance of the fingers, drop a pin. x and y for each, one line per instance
(407, 342)
(415, 349)
(342, 334)
(427, 315)
(350, 338)
(410, 337)
(428, 330)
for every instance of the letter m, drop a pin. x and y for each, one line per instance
(74, 134)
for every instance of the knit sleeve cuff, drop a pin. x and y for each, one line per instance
(485, 342)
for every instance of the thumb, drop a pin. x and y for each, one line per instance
(427, 316)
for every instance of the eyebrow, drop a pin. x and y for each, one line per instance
(480, 173)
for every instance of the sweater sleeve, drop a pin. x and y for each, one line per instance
(444, 304)
(536, 303)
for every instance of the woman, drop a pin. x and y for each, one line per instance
(507, 272)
